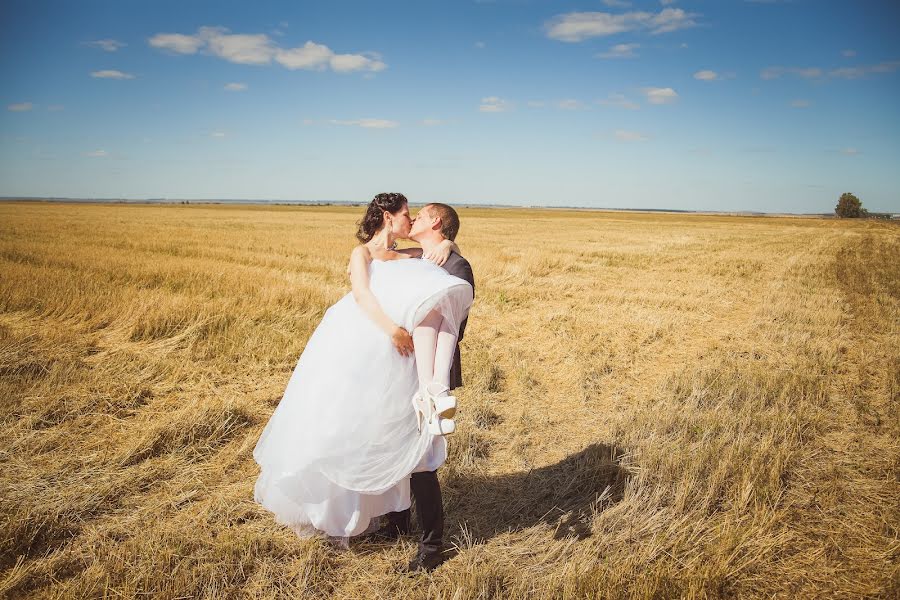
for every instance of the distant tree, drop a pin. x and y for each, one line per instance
(849, 207)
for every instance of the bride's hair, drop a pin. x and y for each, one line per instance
(374, 217)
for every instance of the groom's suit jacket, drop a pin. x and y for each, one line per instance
(458, 266)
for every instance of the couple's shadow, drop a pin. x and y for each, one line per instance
(564, 495)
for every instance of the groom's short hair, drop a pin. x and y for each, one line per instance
(449, 219)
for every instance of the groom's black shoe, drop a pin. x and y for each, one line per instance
(426, 561)
(388, 533)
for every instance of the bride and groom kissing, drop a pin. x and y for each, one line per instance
(361, 427)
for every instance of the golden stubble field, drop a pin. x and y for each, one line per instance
(656, 406)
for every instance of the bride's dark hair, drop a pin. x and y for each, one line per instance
(374, 217)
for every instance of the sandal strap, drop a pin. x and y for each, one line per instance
(442, 389)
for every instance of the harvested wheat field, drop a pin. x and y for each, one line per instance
(656, 405)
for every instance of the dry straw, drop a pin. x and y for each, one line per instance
(656, 406)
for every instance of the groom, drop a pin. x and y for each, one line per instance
(434, 223)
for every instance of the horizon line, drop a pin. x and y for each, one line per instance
(252, 201)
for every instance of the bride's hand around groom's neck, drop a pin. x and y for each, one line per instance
(440, 253)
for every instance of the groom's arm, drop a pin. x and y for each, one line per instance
(460, 267)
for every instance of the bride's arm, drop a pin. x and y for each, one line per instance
(438, 256)
(359, 277)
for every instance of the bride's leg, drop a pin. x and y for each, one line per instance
(435, 345)
(443, 353)
(425, 339)
(443, 361)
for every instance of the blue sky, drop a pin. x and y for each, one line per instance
(698, 105)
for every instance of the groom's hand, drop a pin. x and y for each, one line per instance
(402, 341)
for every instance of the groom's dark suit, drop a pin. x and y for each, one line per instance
(458, 266)
(425, 488)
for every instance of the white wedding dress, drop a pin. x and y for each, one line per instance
(340, 446)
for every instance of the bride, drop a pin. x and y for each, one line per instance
(363, 408)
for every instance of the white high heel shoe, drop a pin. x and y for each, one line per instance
(423, 409)
(430, 407)
(444, 403)
(439, 426)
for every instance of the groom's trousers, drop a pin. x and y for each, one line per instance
(426, 491)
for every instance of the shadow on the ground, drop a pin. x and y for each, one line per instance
(563, 495)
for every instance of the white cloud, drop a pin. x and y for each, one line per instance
(803, 72)
(177, 42)
(657, 95)
(630, 136)
(108, 45)
(579, 26)
(619, 101)
(838, 73)
(346, 63)
(217, 134)
(367, 123)
(850, 152)
(308, 122)
(617, 3)
(536, 104)
(671, 19)
(576, 27)
(808, 73)
(620, 51)
(20, 107)
(570, 104)
(319, 57)
(308, 56)
(431, 122)
(706, 75)
(800, 103)
(848, 53)
(97, 154)
(863, 70)
(260, 49)
(493, 104)
(848, 72)
(240, 48)
(235, 87)
(111, 74)
(480, 45)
